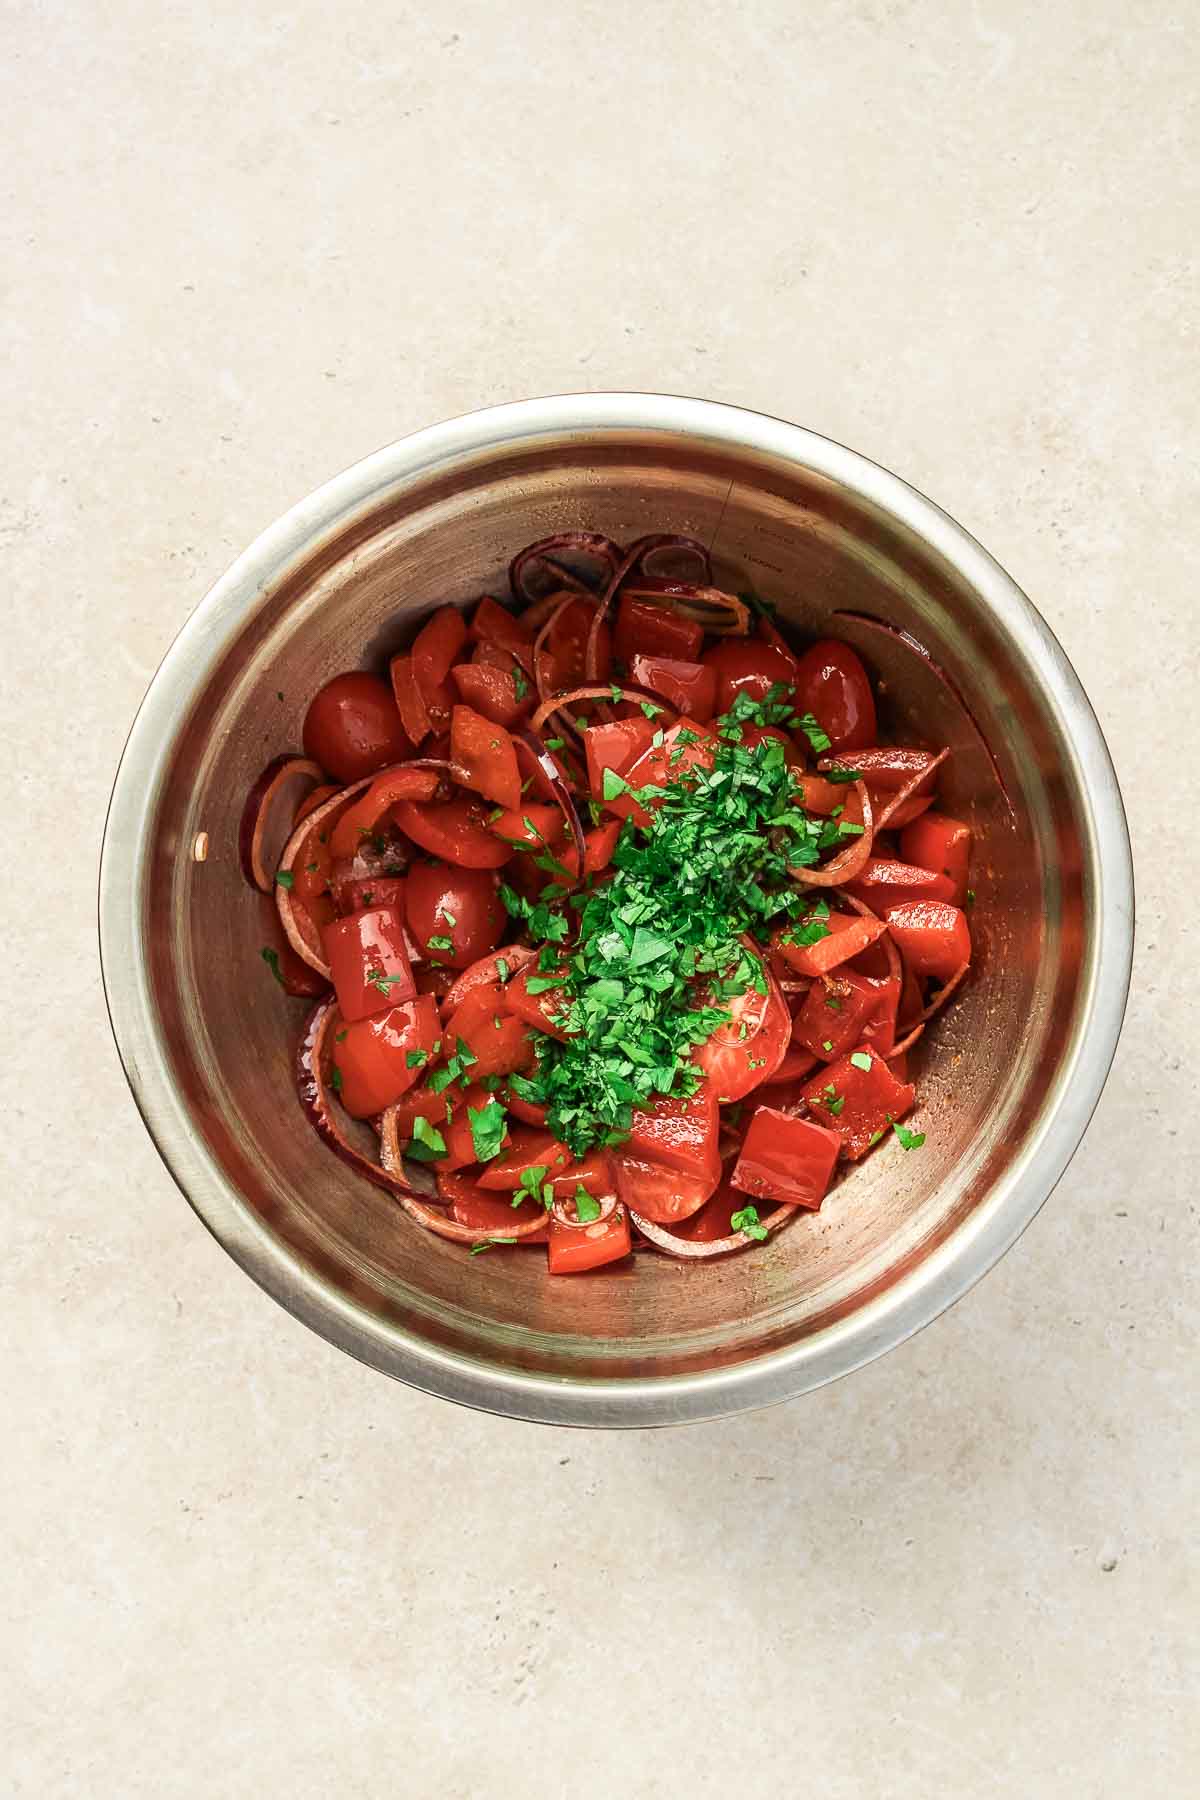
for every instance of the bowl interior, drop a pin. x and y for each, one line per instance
(350, 594)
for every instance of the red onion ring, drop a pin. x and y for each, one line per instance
(606, 1202)
(584, 543)
(909, 789)
(694, 1250)
(628, 690)
(313, 1090)
(905, 1043)
(539, 645)
(886, 941)
(556, 779)
(900, 636)
(943, 994)
(271, 805)
(657, 545)
(429, 1216)
(294, 918)
(848, 862)
(724, 615)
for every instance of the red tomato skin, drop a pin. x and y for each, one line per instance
(372, 1058)
(833, 685)
(362, 891)
(753, 735)
(735, 1066)
(483, 757)
(541, 1010)
(437, 644)
(575, 1249)
(492, 692)
(528, 1148)
(849, 934)
(941, 843)
(659, 767)
(455, 829)
(931, 935)
(352, 727)
(679, 1134)
(660, 1193)
(786, 1159)
(870, 1099)
(748, 666)
(364, 944)
(617, 747)
(654, 631)
(500, 1044)
(689, 686)
(436, 889)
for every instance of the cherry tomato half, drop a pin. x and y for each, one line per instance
(832, 684)
(352, 727)
(455, 904)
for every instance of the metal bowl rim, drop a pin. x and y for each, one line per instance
(904, 1308)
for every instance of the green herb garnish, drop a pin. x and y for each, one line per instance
(489, 1124)
(284, 878)
(271, 958)
(427, 1142)
(747, 1220)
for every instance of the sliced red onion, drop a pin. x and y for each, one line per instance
(563, 1210)
(909, 790)
(269, 815)
(431, 1217)
(943, 994)
(695, 1250)
(319, 1106)
(906, 1043)
(720, 613)
(848, 862)
(886, 941)
(653, 553)
(595, 690)
(294, 916)
(556, 780)
(900, 636)
(541, 640)
(560, 556)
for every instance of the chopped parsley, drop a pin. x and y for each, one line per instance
(747, 1220)
(440, 943)
(861, 1059)
(385, 983)
(427, 1142)
(489, 1244)
(817, 736)
(284, 878)
(533, 1185)
(271, 958)
(489, 1124)
(586, 1208)
(416, 1059)
(909, 1140)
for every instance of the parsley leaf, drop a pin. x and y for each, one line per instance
(747, 1220)
(586, 1208)
(284, 878)
(909, 1140)
(489, 1124)
(271, 958)
(861, 1059)
(427, 1142)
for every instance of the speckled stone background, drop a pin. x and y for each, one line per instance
(242, 245)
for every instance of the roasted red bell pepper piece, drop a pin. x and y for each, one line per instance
(574, 1249)
(454, 829)
(534, 824)
(686, 745)
(436, 645)
(543, 1008)
(654, 631)
(528, 1149)
(471, 1205)
(496, 625)
(617, 747)
(689, 686)
(938, 842)
(483, 757)
(492, 692)
(830, 1020)
(858, 1099)
(786, 1159)
(887, 768)
(410, 701)
(848, 934)
(361, 819)
(884, 882)
(368, 959)
(931, 935)
(499, 1042)
(681, 1134)
(378, 1059)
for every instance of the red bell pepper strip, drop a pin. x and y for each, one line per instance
(378, 1059)
(680, 1134)
(454, 829)
(436, 646)
(368, 959)
(410, 701)
(361, 819)
(534, 824)
(849, 934)
(787, 1159)
(496, 625)
(576, 1248)
(541, 1008)
(938, 842)
(883, 883)
(471, 1205)
(931, 935)
(484, 757)
(499, 1042)
(887, 768)
(528, 1149)
(492, 692)
(617, 747)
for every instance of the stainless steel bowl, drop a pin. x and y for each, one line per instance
(1008, 1078)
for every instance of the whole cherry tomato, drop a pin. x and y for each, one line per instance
(746, 666)
(352, 727)
(455, 904)
(832, 684)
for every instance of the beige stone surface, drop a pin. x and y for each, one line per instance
(242, 245)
